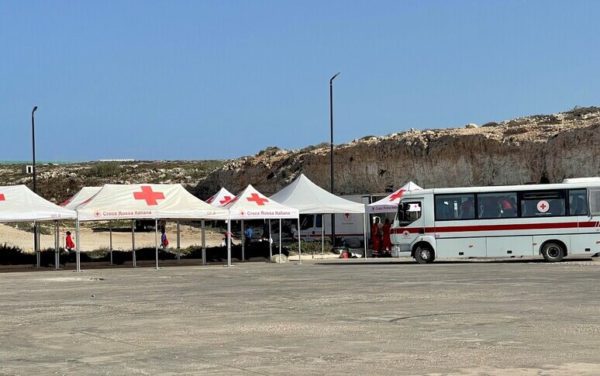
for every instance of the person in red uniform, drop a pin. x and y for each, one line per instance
(375, 237)
(387, 241)
(69, 244)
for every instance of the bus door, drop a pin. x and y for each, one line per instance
(584, 206)
(409, 224)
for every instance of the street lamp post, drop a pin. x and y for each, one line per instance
(33, 145)
(331, 150)
(35, 228)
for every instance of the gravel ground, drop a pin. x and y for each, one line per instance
(336, 318)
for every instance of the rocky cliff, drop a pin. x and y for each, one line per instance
(540, 148)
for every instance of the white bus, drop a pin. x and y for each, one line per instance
(552, 220)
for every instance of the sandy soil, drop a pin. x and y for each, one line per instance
(122, 240)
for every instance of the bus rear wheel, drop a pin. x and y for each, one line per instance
(553, 252)
(424, 254)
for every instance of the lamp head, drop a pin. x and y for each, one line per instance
(34, 109)
(334, 76)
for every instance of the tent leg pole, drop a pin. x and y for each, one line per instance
(322, 237)
(203, 243)
(228, 235)
(270, 243)
(156, 242)
(56, 250)
(110, 242)
(178, 242)
(365, 233)
(299, 243)
(243, 242)
(280, 236)
(133, 259)
(77, 247)
(36, 245)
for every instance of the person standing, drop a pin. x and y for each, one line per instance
(387, 241)
(248, 233)
(164, 242)
(375, 237)
(69, 243)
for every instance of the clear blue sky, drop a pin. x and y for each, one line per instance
(221, 79)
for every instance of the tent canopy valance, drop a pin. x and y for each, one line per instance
(146, 201)
(19, 204)
(251, 204)
(309, 198)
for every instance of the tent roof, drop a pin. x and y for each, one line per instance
(309, 198)
(146, 201)
(251, 204)
(19, 204)
(389, 204)
(80, 197)
(221, 198)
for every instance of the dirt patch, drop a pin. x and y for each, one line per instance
(121, 240)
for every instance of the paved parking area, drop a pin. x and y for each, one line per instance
(334, 318)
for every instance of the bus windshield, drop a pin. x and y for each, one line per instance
(408, 212)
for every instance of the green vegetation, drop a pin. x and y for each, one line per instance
(104, 170)
(310, 247)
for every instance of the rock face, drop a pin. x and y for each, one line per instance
(540, 148)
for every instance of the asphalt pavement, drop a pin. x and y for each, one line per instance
(358, 317)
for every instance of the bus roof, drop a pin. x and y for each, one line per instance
(592, 182)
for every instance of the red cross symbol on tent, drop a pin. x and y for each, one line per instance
(225, 200)
(2, 198)
(397, 195)
(149, 195)
(260, 201)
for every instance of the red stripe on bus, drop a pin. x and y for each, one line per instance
(507, 227)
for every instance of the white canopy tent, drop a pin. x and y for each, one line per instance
(19, 204)
(145, 201)
(80, 197)
(309, 198)
(389, 204)
(251, 204)
(221, 198)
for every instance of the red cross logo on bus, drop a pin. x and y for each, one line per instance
(543, 206)
(2, 198)
(260, 201)
(225, 200)
(397, 195)
(149, 195)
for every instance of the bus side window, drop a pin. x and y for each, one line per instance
(467, 209)
(578, 202)
(454, 206)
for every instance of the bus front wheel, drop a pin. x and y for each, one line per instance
(553, 252)
(424, 254)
